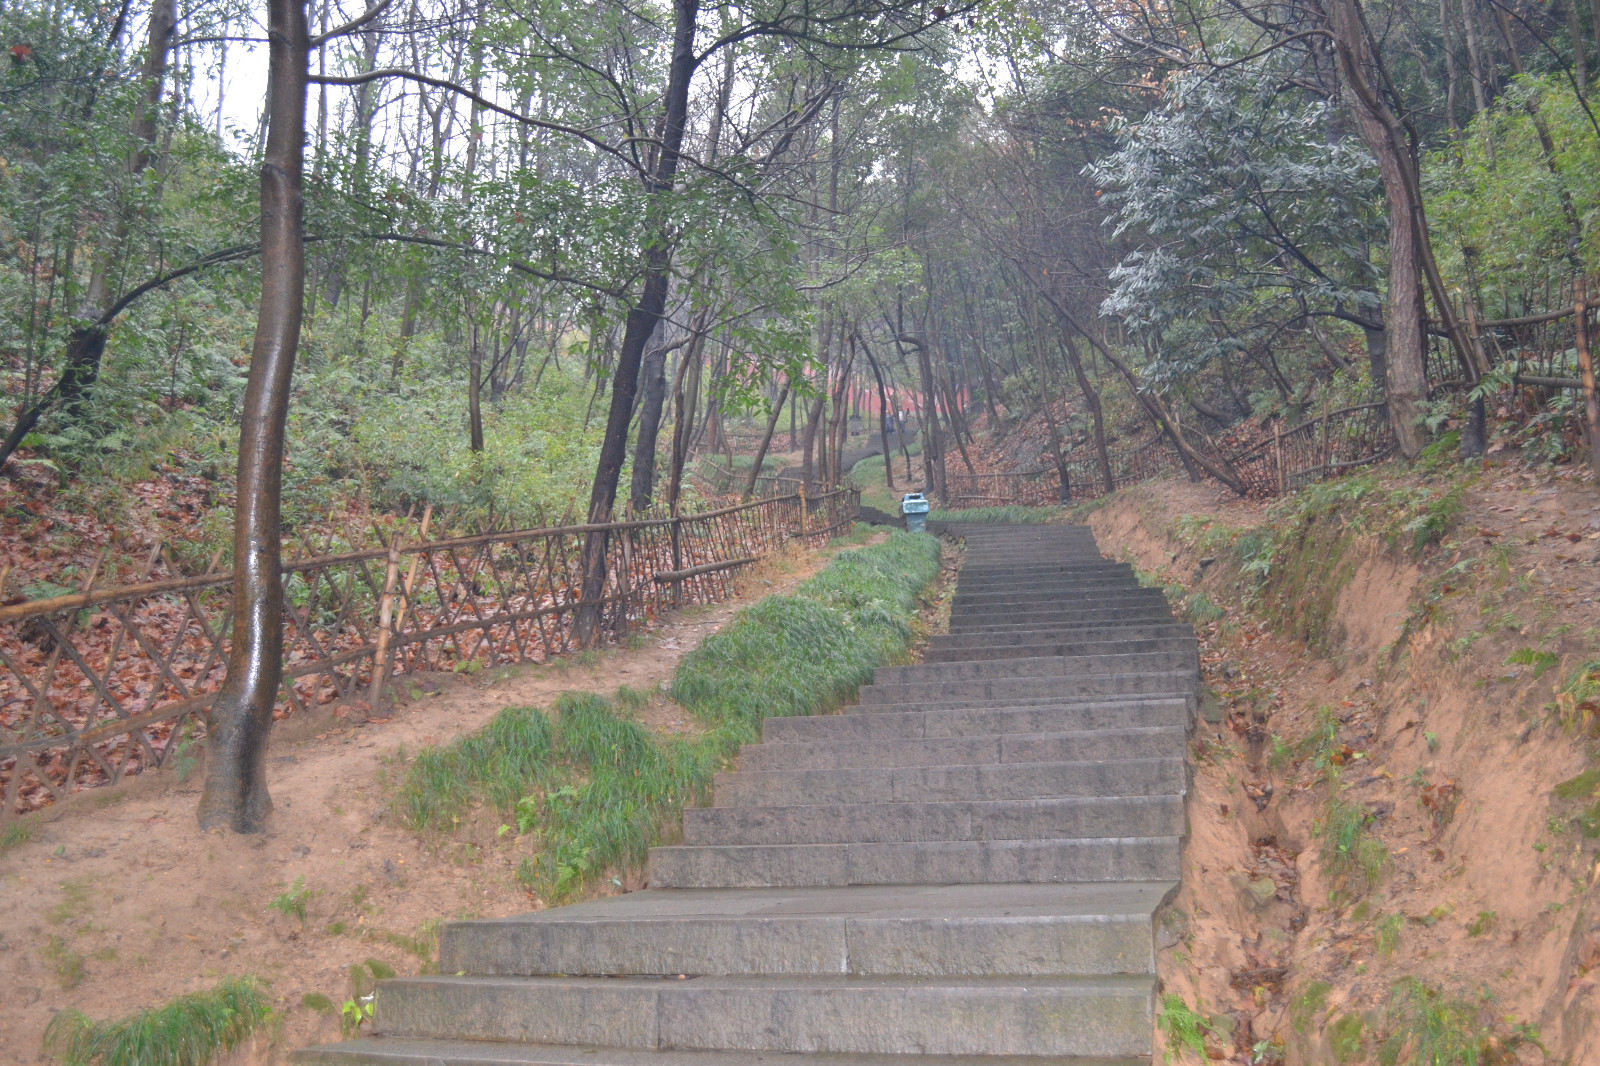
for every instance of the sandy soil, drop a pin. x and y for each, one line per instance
(118, 902)
(1452, 751)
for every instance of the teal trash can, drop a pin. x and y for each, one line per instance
(914, 505)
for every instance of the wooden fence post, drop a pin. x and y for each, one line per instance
(380, 651)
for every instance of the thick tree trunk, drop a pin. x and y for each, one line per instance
(1407, 385)
(808, 438)
(766, 442)
(235, 792)
(654, 373)
(641, 323)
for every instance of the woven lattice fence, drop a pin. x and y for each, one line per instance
(109, 683)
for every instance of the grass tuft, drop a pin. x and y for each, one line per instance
(1184, 1027)
(188, 1031)
(1427, 1029)
(1354, 859)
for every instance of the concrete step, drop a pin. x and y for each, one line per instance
(990, 781)
(1057, 718)
(1039, 666)
(1084, 686)
(922, 863)
(976, 573)
(1067, 818)
(1124, 606)
(1020, 634)
(1059, 1016)
(1178, 643)
(1144, 743)
(1039, 594)
(372, 1051)
(1185, 696)
(918, 930)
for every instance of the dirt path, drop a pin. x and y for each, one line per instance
(118, 902)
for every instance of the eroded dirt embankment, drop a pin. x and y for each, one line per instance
(1393, 820)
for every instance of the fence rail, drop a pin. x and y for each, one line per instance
(105, 684)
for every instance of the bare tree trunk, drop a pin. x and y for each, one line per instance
(685, 390)
(235, 792)
(641, 323)
(932, 439)
(1405, 341)
(1091, 400)
(654, 372)
(883, 415)
(474, 389)
(766, 442)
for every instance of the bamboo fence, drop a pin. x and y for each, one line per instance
(105, 684)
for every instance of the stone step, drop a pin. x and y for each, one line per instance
(1142, 743)
(1041, 594)
(980, 703)
(962, 622)
(1154, 607)
(1031, 688)
(918, 930)
(1021, 634)
(1178, 643)
(1062, 1016)
(1066, 818)
(370, 1051)
(1039, 666)
(922, 863)
(912, 784)
(1051, 718)
(977, 571)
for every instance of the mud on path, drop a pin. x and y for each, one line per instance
(119, 903)
(1488, 890)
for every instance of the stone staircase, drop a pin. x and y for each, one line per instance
(961, 868)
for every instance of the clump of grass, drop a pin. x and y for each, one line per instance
(1354, 859)
(1183, 1027)
(1386, 935)
(293, 903)
(1307, 1008)
(67, 963)
(1347, 1039)
(1428, 1029)
(1483, 923)
(15, 835)
(1202, 608)
(1020, 515)
(188, 1031)
(593, 789)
